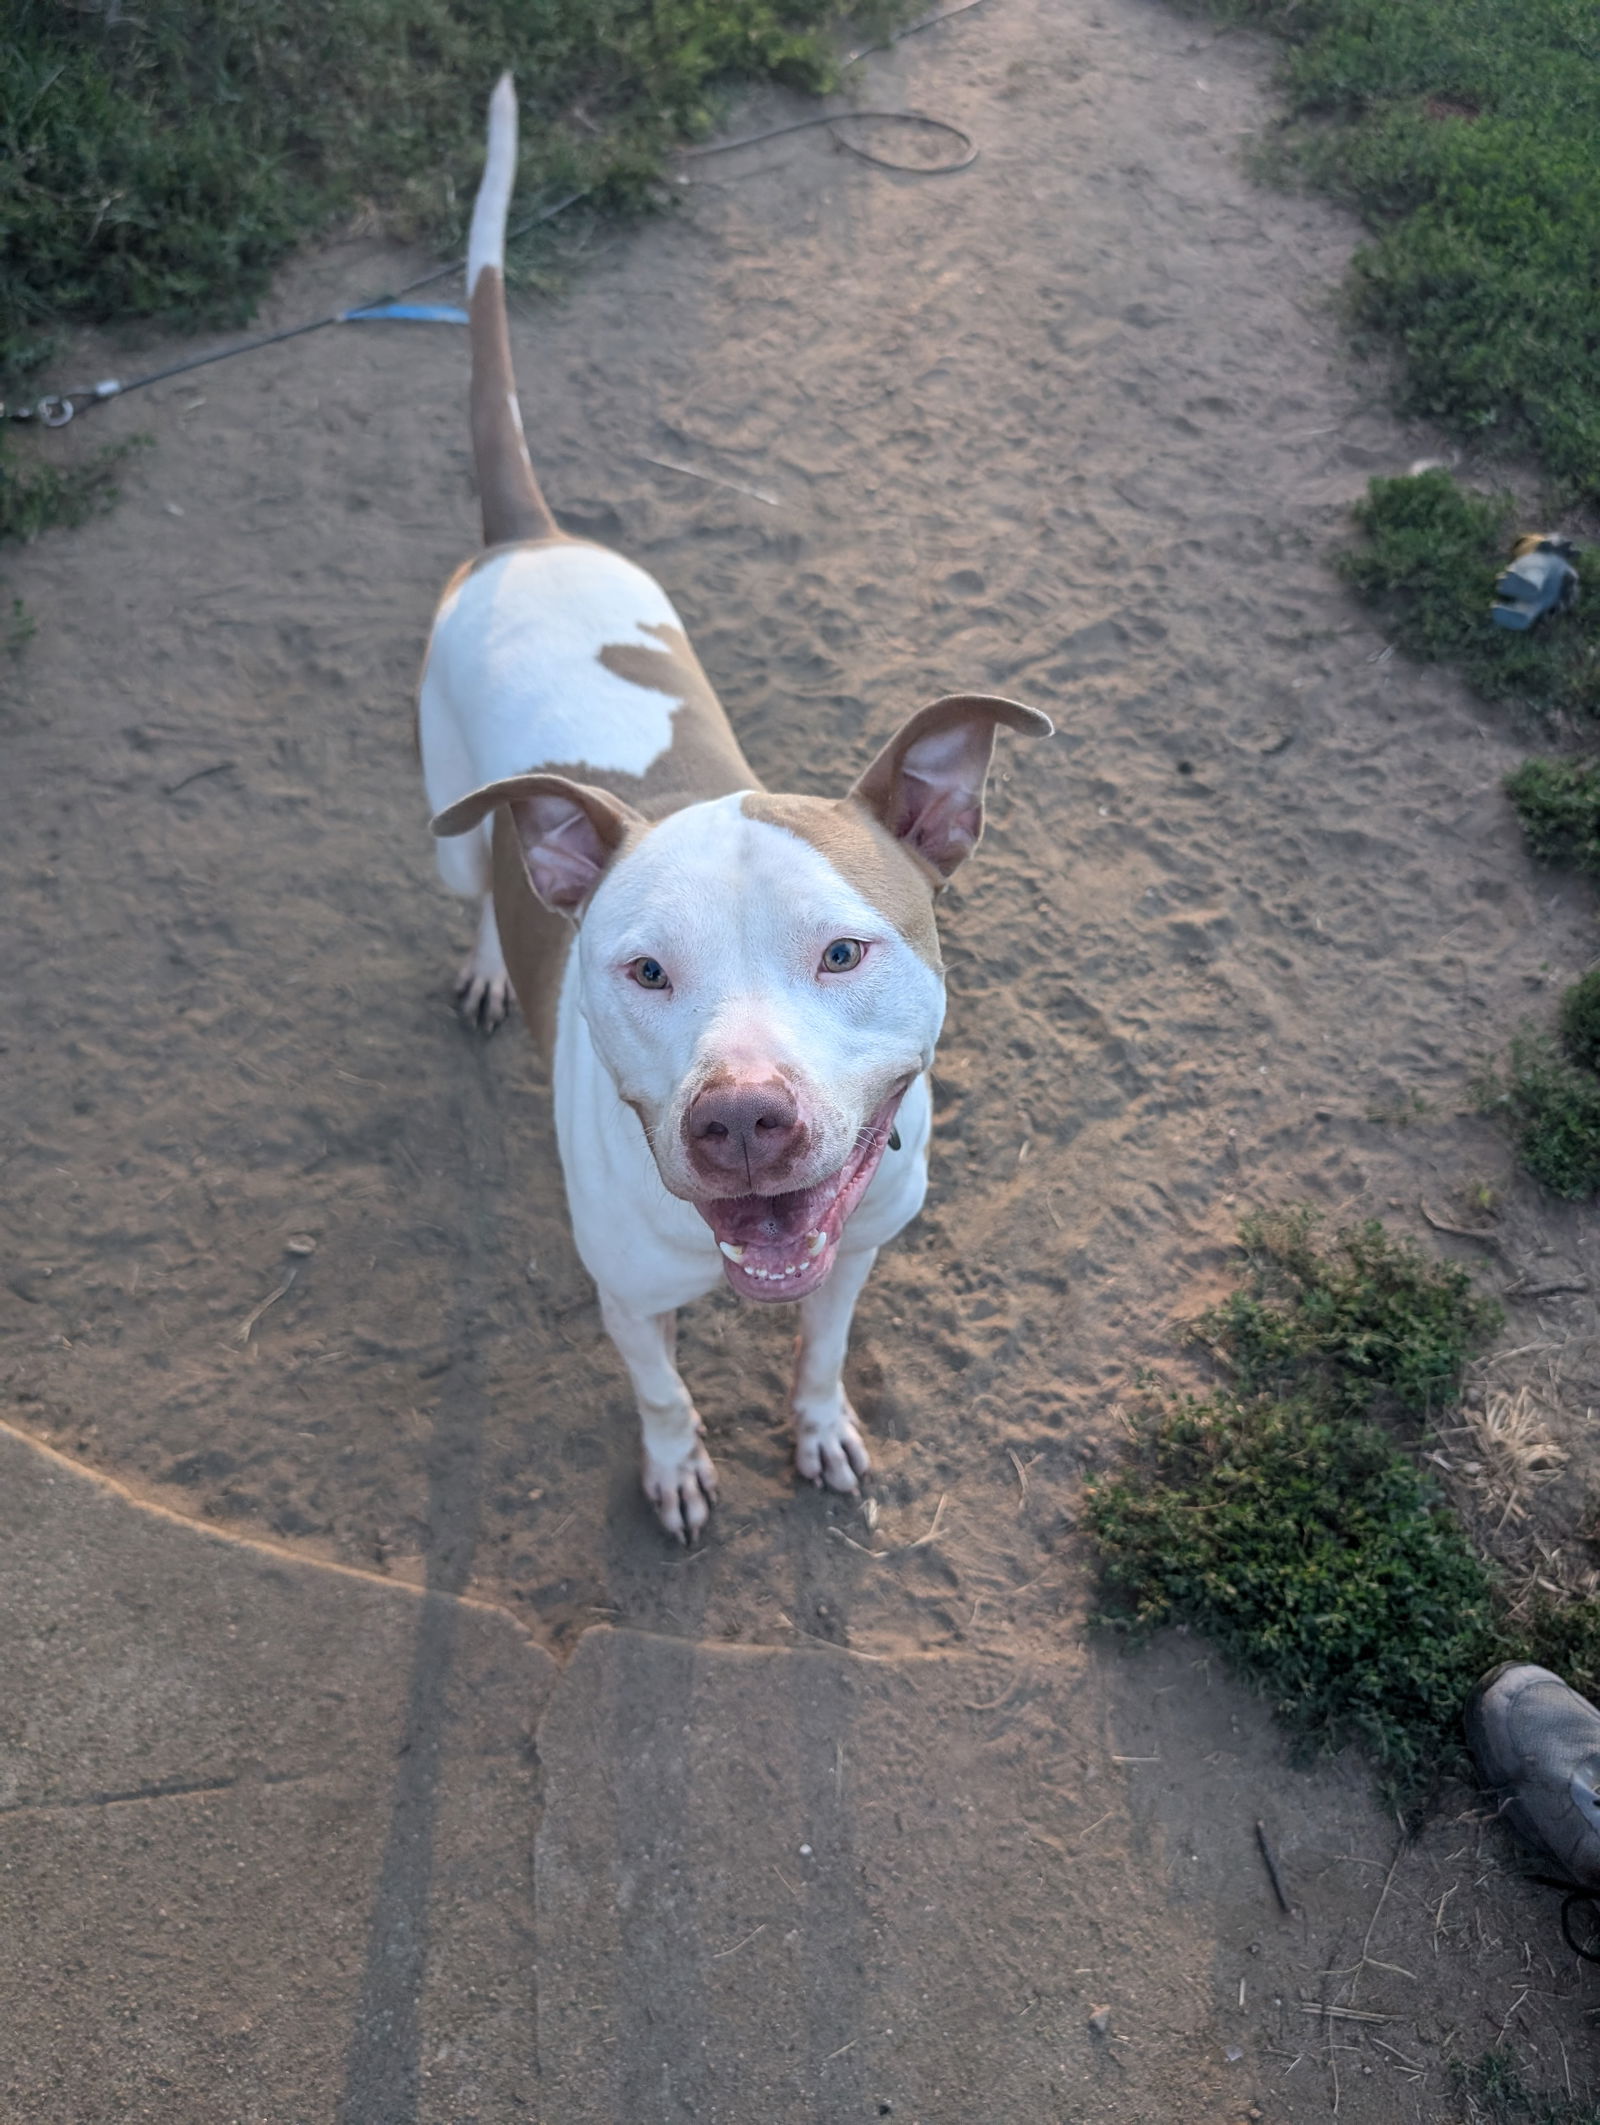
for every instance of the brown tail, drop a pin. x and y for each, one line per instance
(513, 507)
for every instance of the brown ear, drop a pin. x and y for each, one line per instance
(569, 831)
(926, 786)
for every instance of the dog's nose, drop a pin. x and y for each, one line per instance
(744, 1131)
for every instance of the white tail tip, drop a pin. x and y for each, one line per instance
(487, 244)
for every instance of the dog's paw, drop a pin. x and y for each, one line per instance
(682, 1491)
(830, 1450)
(483, 995)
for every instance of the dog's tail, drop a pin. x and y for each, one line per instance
(513, 507)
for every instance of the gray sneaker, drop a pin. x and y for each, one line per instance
(1537, 1747)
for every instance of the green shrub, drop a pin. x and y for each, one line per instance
(35, 495)
(1564, 1636)
(1558, 802)
(17, 625)
(1361, 1314)
(1296, 1534)
(1319, 1560)
(1432, 554)
(1462, 131)
(159, 159)
(1554, 1108)
(1500, 2096)
(1580, 1021)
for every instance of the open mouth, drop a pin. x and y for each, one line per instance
(782, 1246)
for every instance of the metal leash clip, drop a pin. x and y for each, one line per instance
(52, 411)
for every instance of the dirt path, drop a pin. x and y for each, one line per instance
(1075, 424)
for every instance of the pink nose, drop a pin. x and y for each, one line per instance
(745, 1132)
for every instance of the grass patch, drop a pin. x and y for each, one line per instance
(1498, 2095)
(1558, 803)
(1553, 1105)
(17, 625)
(36, 495)
(1319, 1560)
(1462, 131)
(1431, 555)
(1580, 1021)
(1292, 1529)
(159, 160)
(1357, 1316)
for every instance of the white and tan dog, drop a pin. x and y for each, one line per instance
(742, 990)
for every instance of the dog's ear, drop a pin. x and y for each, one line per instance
(568, 831)
(926, 786)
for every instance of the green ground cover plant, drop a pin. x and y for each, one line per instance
(1553, 1106)
(158, 160)
(36, 495)
(1558, 803)
(1429, 561)
(1319, 1560)
(1352, 1316)
(1497, 2094)
(1462, 131)
(1580, 1021)
(1282, 1519)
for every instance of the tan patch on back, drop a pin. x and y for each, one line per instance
(867, 855)
(704, 759)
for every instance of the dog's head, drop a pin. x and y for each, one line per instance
(761, 974)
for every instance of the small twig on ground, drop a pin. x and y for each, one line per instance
(1510, 2011)
(712, 479)
(1276, 1878)
(247, 1327)
(843, 1537)
(220, 767)
(923, 1540)
(1461, 1232)
(1411, 2065)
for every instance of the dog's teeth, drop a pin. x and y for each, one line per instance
(734, 1254)
(815, 1242)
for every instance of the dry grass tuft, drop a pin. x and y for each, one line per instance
(1514, 1450)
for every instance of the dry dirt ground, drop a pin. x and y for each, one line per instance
(1076, 424)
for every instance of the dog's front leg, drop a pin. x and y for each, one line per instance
(828, 1446)
(679, 1479)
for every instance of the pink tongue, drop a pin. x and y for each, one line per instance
(769, 1220)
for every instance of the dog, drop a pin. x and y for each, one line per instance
(740, 991)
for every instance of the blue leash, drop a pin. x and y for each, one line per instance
(56, 408)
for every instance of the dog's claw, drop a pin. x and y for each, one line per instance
(482, 1000)
(682, 1492)
(832, 1455)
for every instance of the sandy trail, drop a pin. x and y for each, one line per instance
(1076, 425)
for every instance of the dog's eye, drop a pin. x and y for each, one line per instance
(843, 954)
(649, 974)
